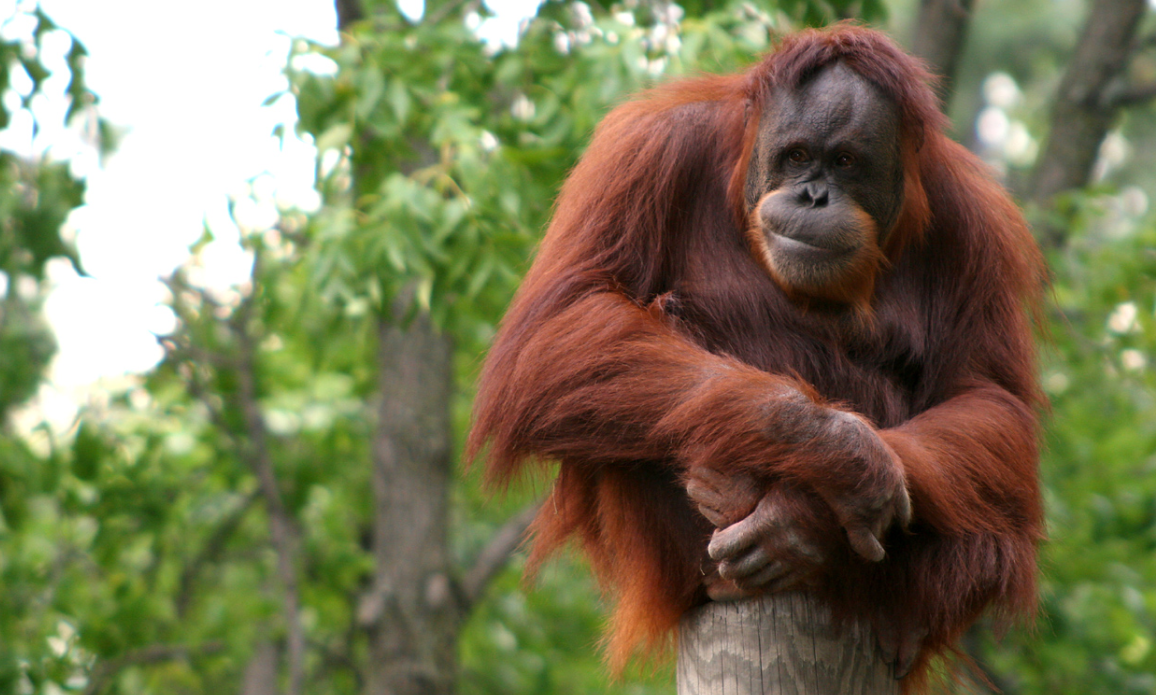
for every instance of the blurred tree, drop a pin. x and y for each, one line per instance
(938, 35)
(36, 195)
(1098, 595)
(1091, 96)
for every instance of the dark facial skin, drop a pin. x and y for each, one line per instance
(825, 181)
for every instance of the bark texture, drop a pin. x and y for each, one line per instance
(348, 12)
(413, 612)
(261, 672)
(779, 644)
(940, 32)
(1085, 108)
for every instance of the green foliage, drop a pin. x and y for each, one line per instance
(1098, 620)
(36, 195)
(438, 195)
(438, 172)
(35, 198)
(39, 196)
(821, 13)
(26, 347)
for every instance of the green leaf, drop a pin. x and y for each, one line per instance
(424, 293)
(335, 138)
(399, 100)
(371, 85)
(88, 450)
(481, 275)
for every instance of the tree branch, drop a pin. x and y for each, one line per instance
(940, 32)
(152, 654)
(1131, 95)
(495, 555)
(260, 676)
(445, 10)
(281, 527)
(1083, 114)
(252, 446)
(210, 551)
(348, 12)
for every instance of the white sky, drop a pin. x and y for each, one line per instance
(185, 83)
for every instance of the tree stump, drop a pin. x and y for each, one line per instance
(780, 644)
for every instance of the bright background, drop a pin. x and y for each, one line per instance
(195, 134)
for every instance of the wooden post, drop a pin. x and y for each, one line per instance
(780, 644)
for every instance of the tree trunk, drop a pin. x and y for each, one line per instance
(412, 614)
(261, 672)
(1084, 110)
(779, 644)
(348, 12)
(938, 37)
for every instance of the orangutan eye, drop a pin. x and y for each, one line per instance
(844, 160)
(798, 156)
